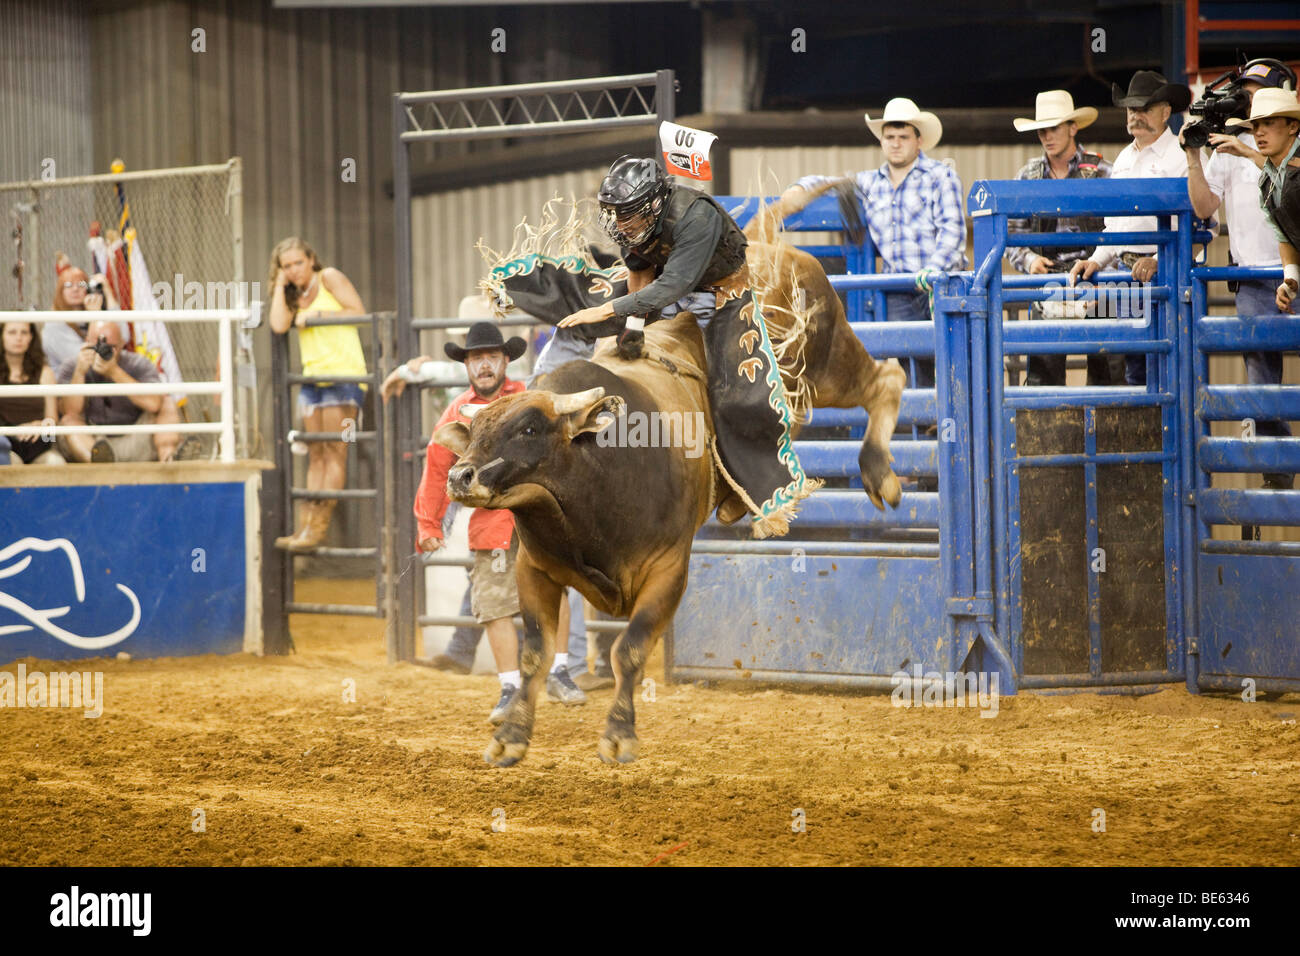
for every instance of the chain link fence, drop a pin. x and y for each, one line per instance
(188, 228)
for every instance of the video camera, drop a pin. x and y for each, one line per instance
(1226, 98)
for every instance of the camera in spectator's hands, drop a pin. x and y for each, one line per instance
(95, 287)
(1224, 99)
(1227, 98)
(103, 349)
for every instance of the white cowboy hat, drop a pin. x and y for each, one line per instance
(1266, 104)
(1053, 108)
(902, 110)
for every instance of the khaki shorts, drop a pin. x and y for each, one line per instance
(492, 590)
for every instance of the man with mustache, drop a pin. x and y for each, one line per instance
(1153, 154)
(494, 596)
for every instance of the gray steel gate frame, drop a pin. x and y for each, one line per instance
(458, 115)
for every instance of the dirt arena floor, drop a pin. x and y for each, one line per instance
(285, 772)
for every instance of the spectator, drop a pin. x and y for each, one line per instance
(1231, 180)
(304, 289)
(914, 211)
(24, 364)
(1275, 121)
(74, 291)
(103, 361)
(1057, 123)
(1154, 153)
(495, 599)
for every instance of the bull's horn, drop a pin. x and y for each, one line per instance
(469, 411)
(568, 404)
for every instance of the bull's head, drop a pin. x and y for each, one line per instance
(506, 450)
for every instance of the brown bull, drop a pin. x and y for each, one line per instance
(613, 521)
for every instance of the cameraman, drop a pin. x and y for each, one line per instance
(102, 360)
(1231, 181)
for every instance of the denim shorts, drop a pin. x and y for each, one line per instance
(312, 397)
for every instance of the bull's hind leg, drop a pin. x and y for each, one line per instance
(881, 390)
(651, 614)
(849, 377)
(539, 602)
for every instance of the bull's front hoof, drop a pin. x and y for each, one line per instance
(507, 746)
(618, 747)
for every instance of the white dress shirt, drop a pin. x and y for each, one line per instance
(1162, 159)
(1235, 180)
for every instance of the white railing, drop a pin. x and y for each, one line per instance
(223, 386)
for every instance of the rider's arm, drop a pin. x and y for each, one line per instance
(694, 241)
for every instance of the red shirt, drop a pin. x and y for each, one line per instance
(488, 529)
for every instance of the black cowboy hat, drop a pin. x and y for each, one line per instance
(485, 335)
(1148, 87)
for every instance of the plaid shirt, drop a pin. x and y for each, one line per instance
(919, 225)
(1040, 168)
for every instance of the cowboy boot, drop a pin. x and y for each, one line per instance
(314, 531)
(306, 514)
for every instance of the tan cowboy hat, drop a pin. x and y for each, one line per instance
(902, 110)
(1266, 104)
(1053, 108)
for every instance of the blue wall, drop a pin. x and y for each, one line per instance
(133, 544)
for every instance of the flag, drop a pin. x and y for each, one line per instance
(686, 150)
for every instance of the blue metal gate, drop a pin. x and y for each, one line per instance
(1069, 542)
(1246, 620)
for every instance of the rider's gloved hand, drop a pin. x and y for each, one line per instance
(631, 341)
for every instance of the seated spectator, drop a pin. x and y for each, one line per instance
(24, 364)
(73, 293)
(102, 360)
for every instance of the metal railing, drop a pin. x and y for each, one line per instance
(223, 385)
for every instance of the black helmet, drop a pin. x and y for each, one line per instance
(634, 192)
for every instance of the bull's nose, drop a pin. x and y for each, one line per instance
(459, 477)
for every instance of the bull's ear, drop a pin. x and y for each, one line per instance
(453, 435)
(596, 416)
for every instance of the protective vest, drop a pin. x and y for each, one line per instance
(728, 255)
(1087, 169)
(1284, 209)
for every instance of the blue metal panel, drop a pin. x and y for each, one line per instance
(1084, 197)
(1263, 403)
(1276, 333)
(1259, 455)
(144, 589)
(1248, 506)
(916, 408)
(1250, 616)
(836, 616)
(839, 459)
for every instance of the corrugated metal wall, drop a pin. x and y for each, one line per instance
(45, 101)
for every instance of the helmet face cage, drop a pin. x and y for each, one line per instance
(632, 199)
(631, 224)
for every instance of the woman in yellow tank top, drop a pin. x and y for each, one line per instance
(303, 289)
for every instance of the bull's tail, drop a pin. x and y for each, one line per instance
(766, 224)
